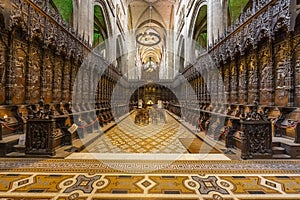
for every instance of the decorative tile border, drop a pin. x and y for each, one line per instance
(152, 166)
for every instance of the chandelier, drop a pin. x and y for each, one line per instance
(148, 38)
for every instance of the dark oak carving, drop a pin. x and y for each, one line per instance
(40, 137)
(256, 139)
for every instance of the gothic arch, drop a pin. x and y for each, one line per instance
(103, 7)
(199, 4)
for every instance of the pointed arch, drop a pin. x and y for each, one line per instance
(199, 4)
(104, 9)
(198, 26)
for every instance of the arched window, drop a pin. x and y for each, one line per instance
(100, 29)
(200, 30)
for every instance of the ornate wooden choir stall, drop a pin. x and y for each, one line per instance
(246, 89)
(40, 56)
(249, 78)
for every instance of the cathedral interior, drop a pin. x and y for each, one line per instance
(149, 99)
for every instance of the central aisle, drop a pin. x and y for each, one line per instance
(161, 137)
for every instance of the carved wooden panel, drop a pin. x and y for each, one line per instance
(19, 14)
(227, 82)
(266, 76)
(256, 139)
(17, 74)
(57, 84)
(213, 85)
(283, 73)
(252, 77)
(242, 81)
(2, 72)
(297, 71)
(66, 84)
(47, 77)
(37, 27)
(40, 137)
(34, 74)
(233, 82)
(221, 87)
(73, 77)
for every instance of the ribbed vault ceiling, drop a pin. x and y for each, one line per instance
(155, 16)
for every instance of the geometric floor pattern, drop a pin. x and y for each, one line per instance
(87, 186)
(95, 179)
(128, 137)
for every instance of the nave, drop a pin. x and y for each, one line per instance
(79, 81)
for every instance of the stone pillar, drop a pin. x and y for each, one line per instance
(217, 14)
(83, 11)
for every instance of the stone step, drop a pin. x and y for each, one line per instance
(278, 150)
(19, 148)
(7, 143)
(15, 155)
(276, 144)
(281, 156)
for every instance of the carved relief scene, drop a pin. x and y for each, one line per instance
(242, 94)
(283, 74)
(57, 82)
(34, 74)
(18, 73)
(252, 77)
(227, 82)
(234, 81)
(296, 63)
(47, 78)
(266, 75)
(66, 83)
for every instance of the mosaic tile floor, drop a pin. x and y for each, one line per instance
(128, 137)
(94, 179)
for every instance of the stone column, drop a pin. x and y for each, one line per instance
(217, 14)
(83, 11)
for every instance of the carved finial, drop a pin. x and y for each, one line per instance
(41, 102)
(256, 104)
(243, 115)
